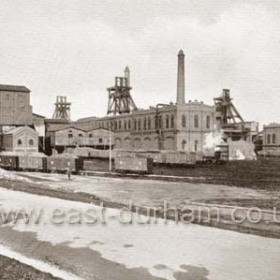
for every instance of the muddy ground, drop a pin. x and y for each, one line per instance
(259, 174)
(13, 270)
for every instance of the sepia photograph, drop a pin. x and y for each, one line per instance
(139, 140)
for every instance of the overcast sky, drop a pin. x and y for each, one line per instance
(77, 47)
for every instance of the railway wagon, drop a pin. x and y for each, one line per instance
(99, 153)
(180, 158)
(9, 162)
(93, 164)
(61, 164)
(134, 165)
(155, 155)
(27, 162)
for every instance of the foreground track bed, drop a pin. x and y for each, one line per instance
(13, 270)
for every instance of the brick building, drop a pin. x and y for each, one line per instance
(180, 126)
(271, 139)
(15, 106)
(21, 139)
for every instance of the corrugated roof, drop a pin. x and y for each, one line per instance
(13, 88)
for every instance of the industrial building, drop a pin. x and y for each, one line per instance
(15, 108)
(17, 133)
(22, 139)
(271, 140)
(180, 126)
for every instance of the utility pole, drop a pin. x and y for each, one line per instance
(110, 148)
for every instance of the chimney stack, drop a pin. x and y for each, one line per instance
(127, 75)
(181, 78)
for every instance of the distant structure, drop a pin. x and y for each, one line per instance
(179, 126)
(15, 106)
(17, 133)
(127, 75)
(227, 113)
(120, 100)
(231, 122)
(271, 140)
(181, 78)
(62, 108)
(21, 139)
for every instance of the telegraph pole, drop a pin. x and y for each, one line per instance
(110, 149)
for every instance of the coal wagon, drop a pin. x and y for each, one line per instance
(134, 165)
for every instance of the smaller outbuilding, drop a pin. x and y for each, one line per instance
(271, 140)
(21, 139)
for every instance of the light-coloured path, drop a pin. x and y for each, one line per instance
(115, 250)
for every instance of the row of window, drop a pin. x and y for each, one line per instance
(271, 138)
(70, 135)
(184, 145)
(160, 122)
(139, 124)
(196, 121)
(30, 142)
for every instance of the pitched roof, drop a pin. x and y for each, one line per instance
(19, 128)
(39, 116)
(13, 88)
(63, 127)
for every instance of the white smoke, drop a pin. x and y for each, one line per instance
(212, 140)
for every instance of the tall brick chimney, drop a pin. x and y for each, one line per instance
(181, 78)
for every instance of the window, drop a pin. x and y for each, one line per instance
(80, 135)
(70, 135)
(100, 140)
(139, 124)
(129, 124)
(31, 142)
(90, 136)
(125, 124)
(273, 138)
(149, 123)
(167, 122)
(172, 121)
(145, 124)
(196, 123)
(19, 142)
(160, 122)
(184, 142)
(208, 122)
(268, 138)
(195, 145)
(116, 125)
(120, 124)
(135, 124)
(183, 121)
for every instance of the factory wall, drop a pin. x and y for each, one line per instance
(73, 136)
(194, 121)
(21, 139)
(271, 140)
(178, 127)
(15, 106)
